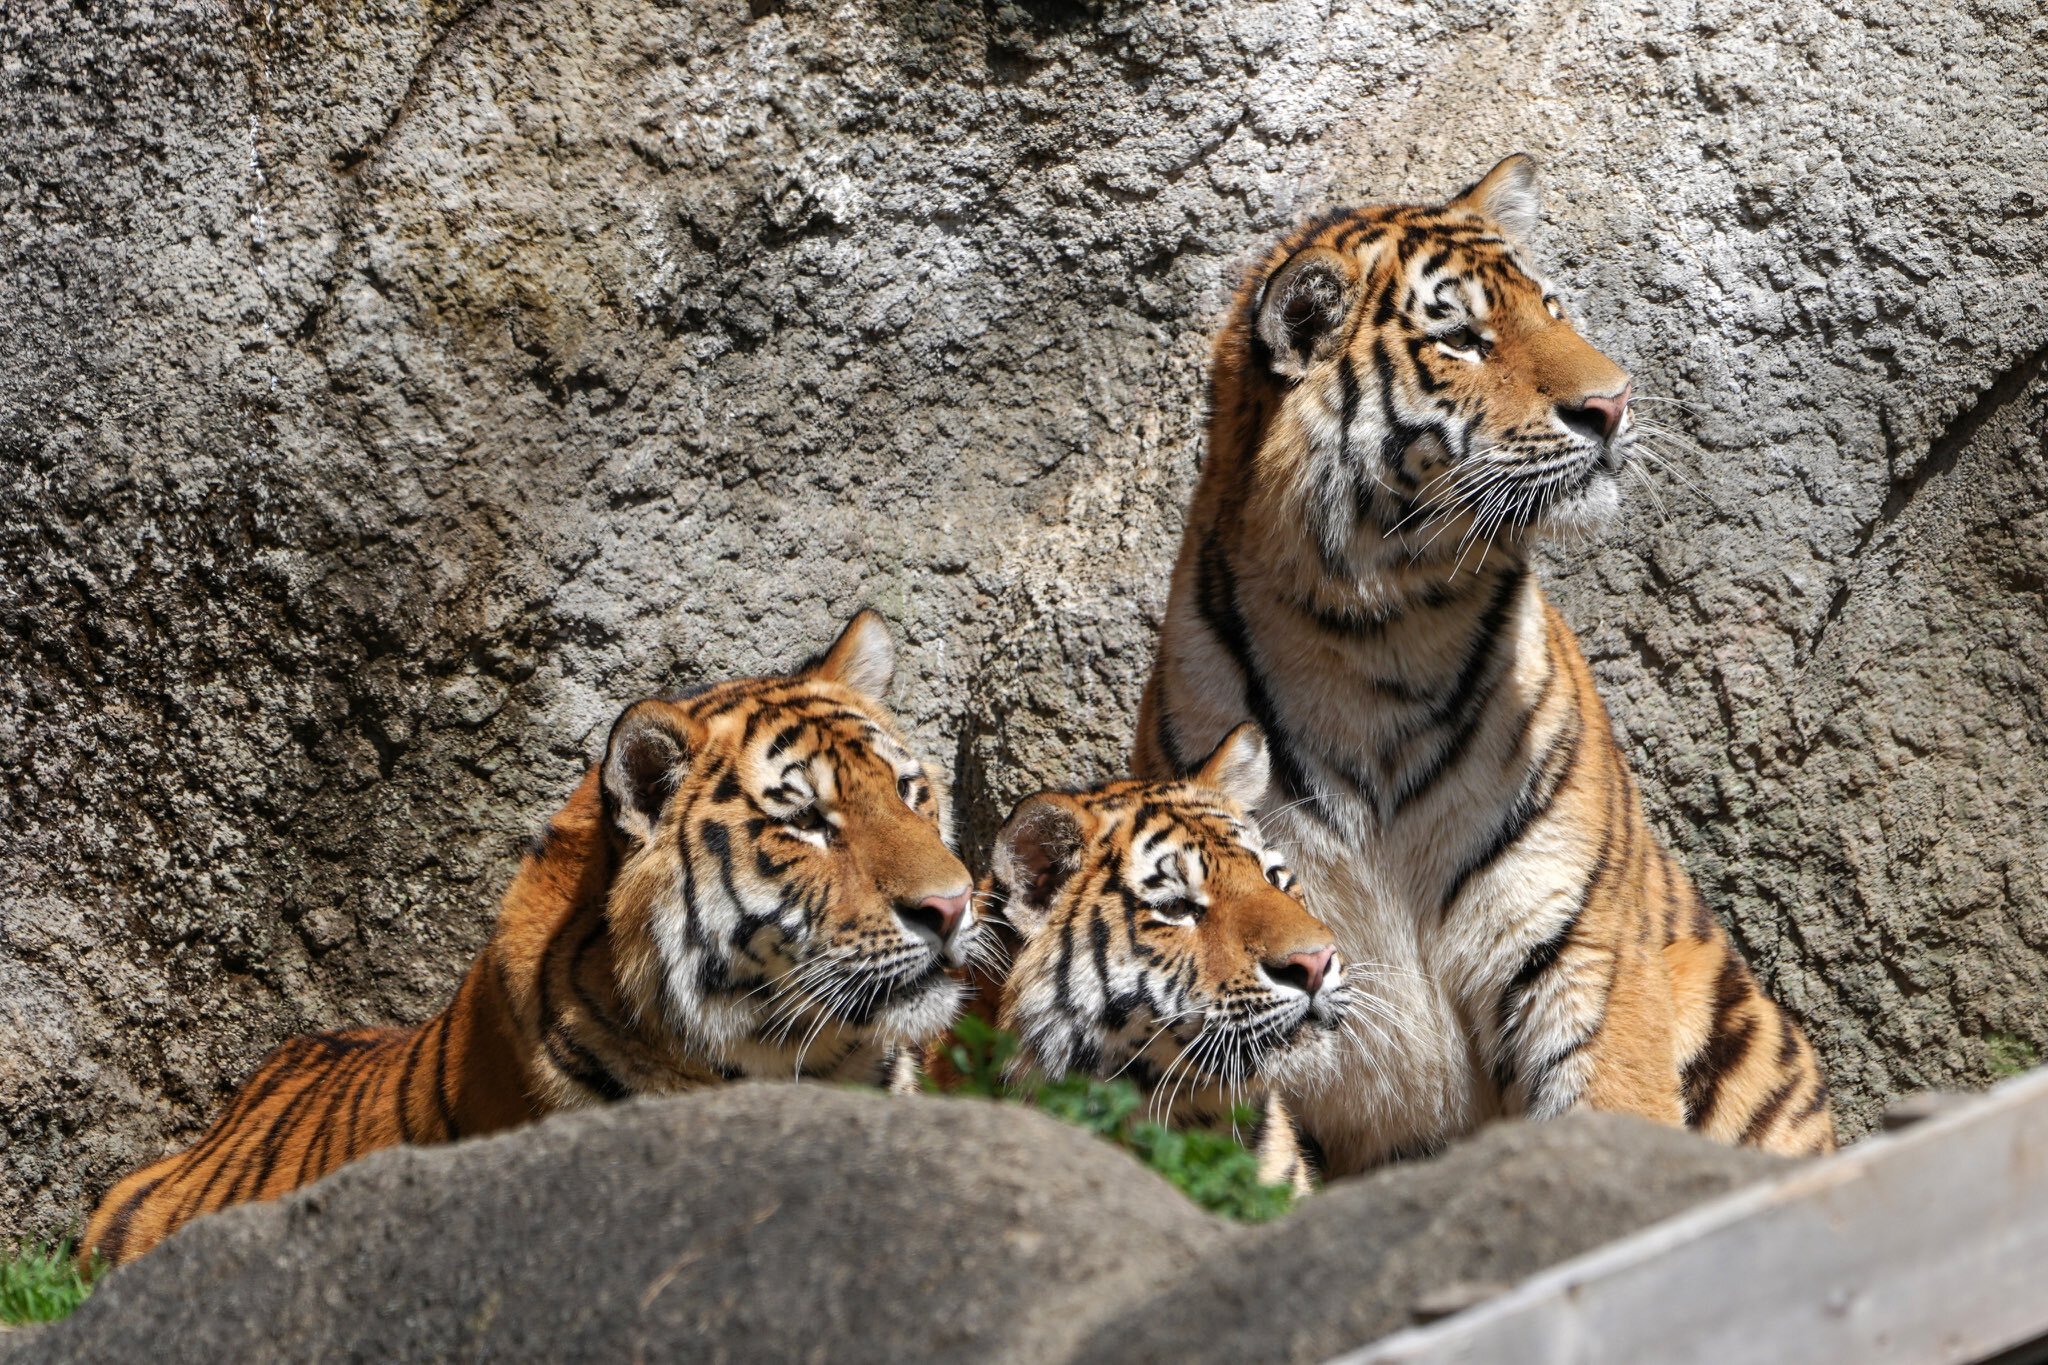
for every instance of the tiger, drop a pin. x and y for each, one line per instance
(1153, 934)
(756, 880)
(1400, 410)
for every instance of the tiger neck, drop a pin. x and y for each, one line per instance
(1402, 634)
(547, 1003)
(1381, 679)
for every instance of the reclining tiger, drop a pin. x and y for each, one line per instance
(1154, 935)
(1399, 409)
(755, 881)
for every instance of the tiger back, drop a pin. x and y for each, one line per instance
(1400, 409)
(1154, 935)
(754, 882)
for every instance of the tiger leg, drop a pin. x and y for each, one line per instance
(1747, 1073)
(906, 1077)
(1282, 1154)
(1593, 1030)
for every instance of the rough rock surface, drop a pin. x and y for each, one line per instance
(391, 391)
(783, 1224)
(1373, 1255)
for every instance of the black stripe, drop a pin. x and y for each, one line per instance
(1216, 600)
(1542, 1068)
(582, 1066)
(335, 1083)
(1815, 1106)
(115, 1240)
(783, 739)
(449, 1131)
(281, 1126)
(1352, 623)
(1342, 489)
(1062, 991)
(1466, 702)
(1098, 948)
(364, 1082)
(718, 839)
(1544, 955)
(1726, 1046)
(1418, 346)
(272, 1073)
(693, 918)
(1532, 803)
(1162, 727)
(1400, 435)
(232, 1124)
(1760, 1121)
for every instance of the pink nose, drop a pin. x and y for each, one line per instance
(1304, 970)
(940, 914)
(1602, 414)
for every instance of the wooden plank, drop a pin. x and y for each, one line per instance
(1921, 1247)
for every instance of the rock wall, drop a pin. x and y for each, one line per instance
(390, 391)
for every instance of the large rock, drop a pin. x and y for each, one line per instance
(1388, 1250)
(800, 1223)
(390, 391)
(758, 1223)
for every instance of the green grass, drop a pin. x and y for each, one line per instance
(2010, 1055)
(1213, 1169)
(40, 1283)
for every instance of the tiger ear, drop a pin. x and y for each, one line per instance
(1037, 850)
(1506, 194)
(1239, 767)
(644, 761)
(862, 658)
(1303, 307)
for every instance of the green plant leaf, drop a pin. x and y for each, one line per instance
(42, 1283)
(1213, 1169)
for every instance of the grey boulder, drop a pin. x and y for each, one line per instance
(800, 1223)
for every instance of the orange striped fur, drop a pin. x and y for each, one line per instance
(1155, 936)
(1399, 410)
(754, 882)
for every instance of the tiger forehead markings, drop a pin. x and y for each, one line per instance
(1159, 938)
(817, 788)
(1399, 408)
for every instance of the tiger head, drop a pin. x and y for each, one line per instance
(782, 870)
(1158, 937)
(1406, 384)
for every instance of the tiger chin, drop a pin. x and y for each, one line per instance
(1157, 937)
(1400, 411)
(755, 881)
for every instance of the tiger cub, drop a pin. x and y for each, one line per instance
(1156, 936)
(754, 882)
(1399, 410)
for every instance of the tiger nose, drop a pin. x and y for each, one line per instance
(1303, 971)
(938, 916)
(1600, 412)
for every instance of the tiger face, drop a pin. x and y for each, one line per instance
(784, 881)
(1161, 939)
(1427, 387)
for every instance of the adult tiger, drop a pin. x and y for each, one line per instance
(1398, 409)
(1155, 935)
(755, 881)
